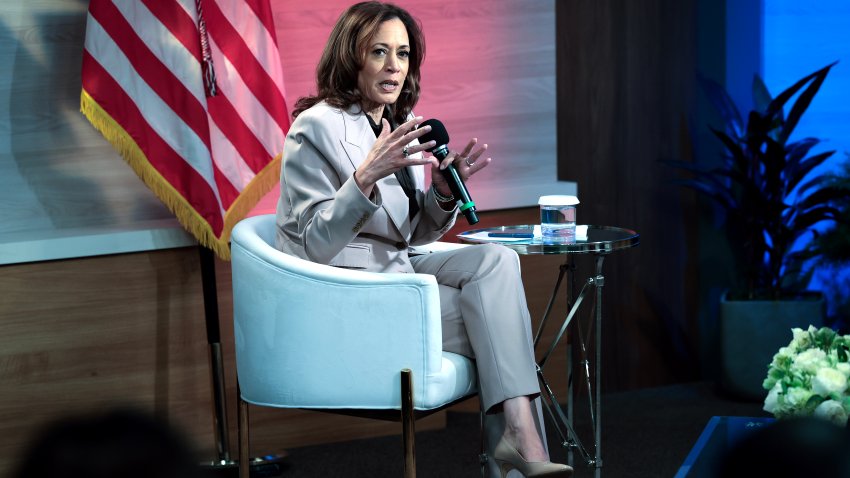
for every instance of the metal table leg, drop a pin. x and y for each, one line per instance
(600, 282)
(562, 421)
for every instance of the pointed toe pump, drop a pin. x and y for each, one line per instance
(508, 458)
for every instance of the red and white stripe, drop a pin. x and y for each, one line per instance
(142, 65)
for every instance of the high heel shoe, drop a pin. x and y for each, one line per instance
(509, 459)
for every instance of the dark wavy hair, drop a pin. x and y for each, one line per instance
(345, 55)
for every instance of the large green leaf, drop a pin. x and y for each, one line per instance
(798, 108)
(723, 104)
(733, 147)
(795, 166)
(833, 195)
(810, 217)
(761, 96)
(802, 103)
(817, 183)
(799, 149)
(806, 166)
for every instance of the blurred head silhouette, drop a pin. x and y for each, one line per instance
(797, 447)
(121, 443)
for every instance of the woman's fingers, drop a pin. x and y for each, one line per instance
(418, 148)
(466, 159)
(408, 131)
(472, 159)
(458, 158)
(451, 158)
(398, 142)
(478, 165)
(468, 149)
(402, 135)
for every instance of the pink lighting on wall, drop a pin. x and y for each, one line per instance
(489, 73)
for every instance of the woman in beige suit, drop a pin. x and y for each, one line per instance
(353, 195)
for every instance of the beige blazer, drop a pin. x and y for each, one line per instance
(322, 215)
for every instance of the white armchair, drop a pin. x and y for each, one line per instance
(318, 337)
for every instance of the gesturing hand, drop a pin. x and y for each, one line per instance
(466, 163)
(388, 153)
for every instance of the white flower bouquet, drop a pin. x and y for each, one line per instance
(809, 377)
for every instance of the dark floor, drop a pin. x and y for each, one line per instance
(645, 433)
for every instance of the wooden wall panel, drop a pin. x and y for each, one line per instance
(626, 74)
(83, 335)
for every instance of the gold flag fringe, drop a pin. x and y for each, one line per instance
(193, 222)
(262, 183)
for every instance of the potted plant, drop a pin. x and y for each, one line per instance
(773, 200)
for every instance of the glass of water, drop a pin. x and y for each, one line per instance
(558, 218)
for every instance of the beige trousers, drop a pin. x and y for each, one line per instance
(485, 317)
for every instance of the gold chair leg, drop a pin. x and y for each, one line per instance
(244, 437)
(482, 456)
(407, 421)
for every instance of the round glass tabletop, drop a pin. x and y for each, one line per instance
(522, 239)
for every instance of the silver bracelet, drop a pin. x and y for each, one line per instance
(440, 197)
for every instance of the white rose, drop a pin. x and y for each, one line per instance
(832, 411)
(796, 397)
(828, 381)
(810, 360)
(772, 400)
(844, 368)
(800, 340)
(783, 352)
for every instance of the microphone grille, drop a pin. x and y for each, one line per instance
(438, 133)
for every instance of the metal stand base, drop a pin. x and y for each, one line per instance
(269, 466)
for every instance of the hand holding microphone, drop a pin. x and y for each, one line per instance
(459, 168)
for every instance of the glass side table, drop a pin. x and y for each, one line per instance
(598, 241)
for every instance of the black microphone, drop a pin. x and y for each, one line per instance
(439, 134)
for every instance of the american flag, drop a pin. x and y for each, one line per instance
(208, 149)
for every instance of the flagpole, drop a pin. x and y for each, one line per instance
(222, 438)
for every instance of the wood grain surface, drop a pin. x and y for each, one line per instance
(626, 88)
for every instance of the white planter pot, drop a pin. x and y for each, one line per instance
(752, 331)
